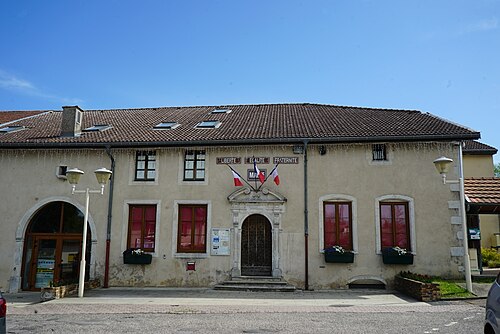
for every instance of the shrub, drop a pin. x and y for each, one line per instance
(490, 257)
(417, 277)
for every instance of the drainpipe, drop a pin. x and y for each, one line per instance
(306, 221)
(110, 207)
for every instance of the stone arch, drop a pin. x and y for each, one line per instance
(246, 202)
(15, 278)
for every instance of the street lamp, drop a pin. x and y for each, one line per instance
(73, 176)
(442, 165)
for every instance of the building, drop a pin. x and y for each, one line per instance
(360, 178)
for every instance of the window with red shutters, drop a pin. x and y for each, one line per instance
(394, 225)
(337, 220)
(192, 229)
(142, 227)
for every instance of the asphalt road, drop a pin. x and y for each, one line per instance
(246, 316)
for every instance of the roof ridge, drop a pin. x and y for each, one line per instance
(262, 104)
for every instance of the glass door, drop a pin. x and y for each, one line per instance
(44, 262)
(70, 260)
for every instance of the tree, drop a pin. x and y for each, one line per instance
(497, 169)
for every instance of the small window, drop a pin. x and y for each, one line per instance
(61, 172)
(394, 225)
(337, 224)
(142, 227)
(192, 229)
(166, 125)
(379, 152)
(221, 111)
(98, 127)
(145, 166)
(208, 125)
(194, 166)
(11, 129)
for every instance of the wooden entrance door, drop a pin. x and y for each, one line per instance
(256, 246)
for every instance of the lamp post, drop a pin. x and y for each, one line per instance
(73, 176)
(442, 165)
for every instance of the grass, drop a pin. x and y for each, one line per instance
(451, 289)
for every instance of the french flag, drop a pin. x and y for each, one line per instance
(276, 177)
(237, 179)
(260, 174)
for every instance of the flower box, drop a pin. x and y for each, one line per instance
(136, 256)
(347, 257)
(396, 255)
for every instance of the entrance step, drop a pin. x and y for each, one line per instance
(256, 283)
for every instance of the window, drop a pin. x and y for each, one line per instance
(208, 124)
(194, 166)
(13, 128)
(379, 152)
(61, 171)
(98, 128)
(337, 224)
(166, 125)
(394, 225)
(145, 166)
(221, 111)
(192, 229)
(142, 227)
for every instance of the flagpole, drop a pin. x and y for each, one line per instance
(241, 178)
(271, 173)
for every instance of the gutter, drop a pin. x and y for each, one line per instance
(110, 210)
(306, 222)
(238, 142)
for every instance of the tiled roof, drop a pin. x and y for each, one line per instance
(9, 116)
(475, 147)
(485, 190)
(246, 124)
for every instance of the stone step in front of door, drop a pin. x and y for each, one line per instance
(252, 283)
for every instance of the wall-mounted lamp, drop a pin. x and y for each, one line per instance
(322, 150)
(298, 149)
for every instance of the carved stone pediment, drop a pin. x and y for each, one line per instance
(248, 195)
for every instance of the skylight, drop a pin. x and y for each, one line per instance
(10, 129)
(221, 111)
(98, 127)
(167, 125)
(209, 124)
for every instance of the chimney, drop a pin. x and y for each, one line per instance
(71, 125)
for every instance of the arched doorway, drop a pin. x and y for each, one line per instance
(256, 246)
(52, 246)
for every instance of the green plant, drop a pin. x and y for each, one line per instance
(451, 289)
(490, 258)
(418, 277)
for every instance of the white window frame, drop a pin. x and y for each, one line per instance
(132, 164)
(411, 217)
(182, 155)
(389, 155)
(354, 218)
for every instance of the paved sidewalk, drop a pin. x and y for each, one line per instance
(210, 297)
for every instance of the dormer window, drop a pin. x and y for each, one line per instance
(98, 128)
(221, 111)
(379, 152)
(10, 129)
(208, 125)
(166, 125)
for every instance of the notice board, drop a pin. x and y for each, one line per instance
(221, 242)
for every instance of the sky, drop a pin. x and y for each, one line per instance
(441, 57)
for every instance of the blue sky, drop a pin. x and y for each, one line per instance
(441, 57)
